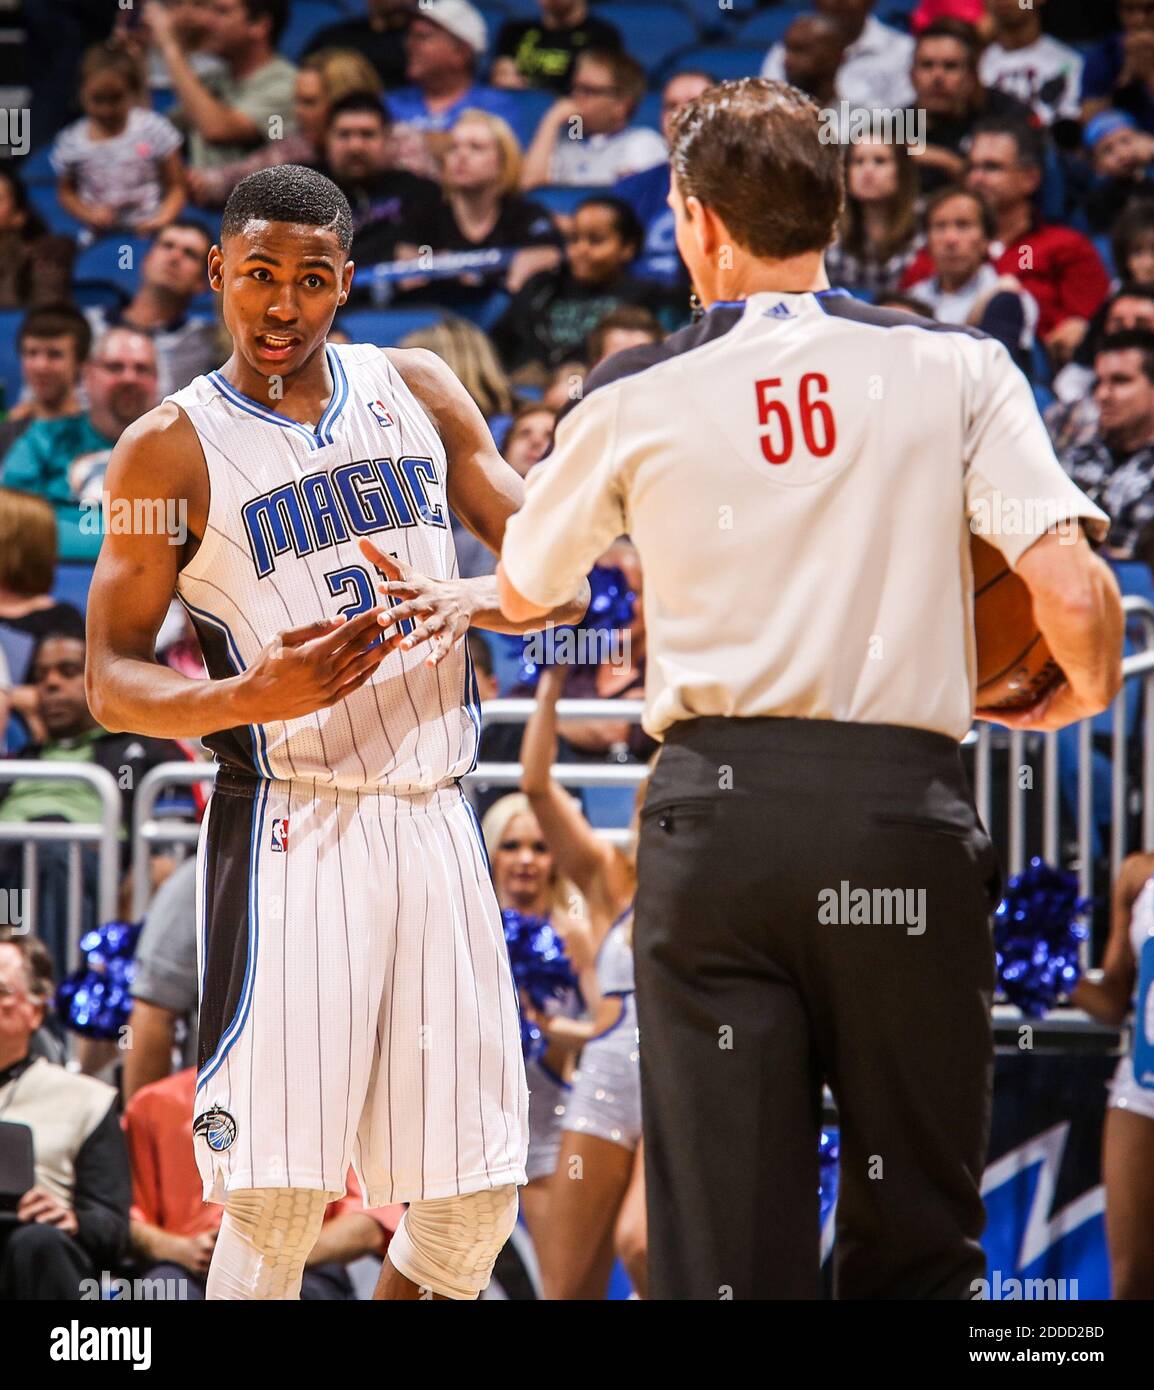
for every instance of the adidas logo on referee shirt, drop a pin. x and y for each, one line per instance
(780, 310)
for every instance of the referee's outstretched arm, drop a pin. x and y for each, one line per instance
(1078, 610)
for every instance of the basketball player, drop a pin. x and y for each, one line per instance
(356, 1000)
(798, 471)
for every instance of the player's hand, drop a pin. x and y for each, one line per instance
(443, 608)
(310, 668)
(40, 1206)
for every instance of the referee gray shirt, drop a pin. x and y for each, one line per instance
(801, 473)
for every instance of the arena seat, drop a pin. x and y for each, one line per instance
(103, 261)
(306, 17)
(72, 581)
(36, 167)
(386, 327)
(42, 196)
(724, 61)
(768, 26)
(562, 198)
(528, 108)
(651, 33)
(9, 355)
(485, 312)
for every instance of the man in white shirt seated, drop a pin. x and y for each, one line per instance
(1029, 64)
(585, 139)
(965, 288)
(876, 68)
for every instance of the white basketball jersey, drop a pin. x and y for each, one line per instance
(289, 505)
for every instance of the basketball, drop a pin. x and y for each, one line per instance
(1015, 667)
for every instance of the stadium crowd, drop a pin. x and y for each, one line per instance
(505, 164)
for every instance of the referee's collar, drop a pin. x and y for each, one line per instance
(833, 291)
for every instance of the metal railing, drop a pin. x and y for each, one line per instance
(103, 834)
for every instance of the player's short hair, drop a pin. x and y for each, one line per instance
(57, 321)
(1029, 144)
(751, 150)
(946, 195)
(289, 193)
(1139, 340)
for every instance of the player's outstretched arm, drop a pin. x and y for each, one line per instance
(484, 491)
(1079, 612)
(157, 471)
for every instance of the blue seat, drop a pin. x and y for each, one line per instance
(648, 112)
(768, 26)
(163, 100)
(72, 581)
(306, 17)
(42, 196)
(115, 259)
(485, 312)
(1105, 249)
(563, 198)
(9, 354)
(528, 109)
(651, 33)
(386, 327)
(36, 168)
(722, 61)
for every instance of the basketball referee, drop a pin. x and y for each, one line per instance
(799, 472)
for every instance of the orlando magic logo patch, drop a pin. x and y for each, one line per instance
(217, 1127)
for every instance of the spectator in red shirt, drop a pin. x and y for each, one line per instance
(173, 1230)
(1056, 265)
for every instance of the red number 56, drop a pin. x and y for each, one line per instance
(777, 442)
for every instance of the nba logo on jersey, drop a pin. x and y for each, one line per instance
(382, 416)
(280, 834)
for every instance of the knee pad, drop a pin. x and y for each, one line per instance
(450, 1245)
(265, 1238)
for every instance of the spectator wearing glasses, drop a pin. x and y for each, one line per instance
(541, 52)
(585, 139)
(1119, 72)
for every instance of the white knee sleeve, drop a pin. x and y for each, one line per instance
(451, 1244)
(265, 1238)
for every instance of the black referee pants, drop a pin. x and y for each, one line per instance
(761, 972)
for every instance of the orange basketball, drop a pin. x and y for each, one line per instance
(1015, 667)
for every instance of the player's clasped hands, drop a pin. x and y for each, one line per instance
(442, 609)
(309, 668)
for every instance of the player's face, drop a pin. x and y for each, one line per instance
(281, 284)
(58, 675)
(523, 868)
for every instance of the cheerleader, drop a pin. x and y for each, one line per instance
(1128, 1134)
(526, 880)
(597, 1199)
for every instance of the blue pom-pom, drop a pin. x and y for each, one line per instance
(96, 999)
(540, 969)
(611, 608)
(828, 1153)
(1038, 930)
